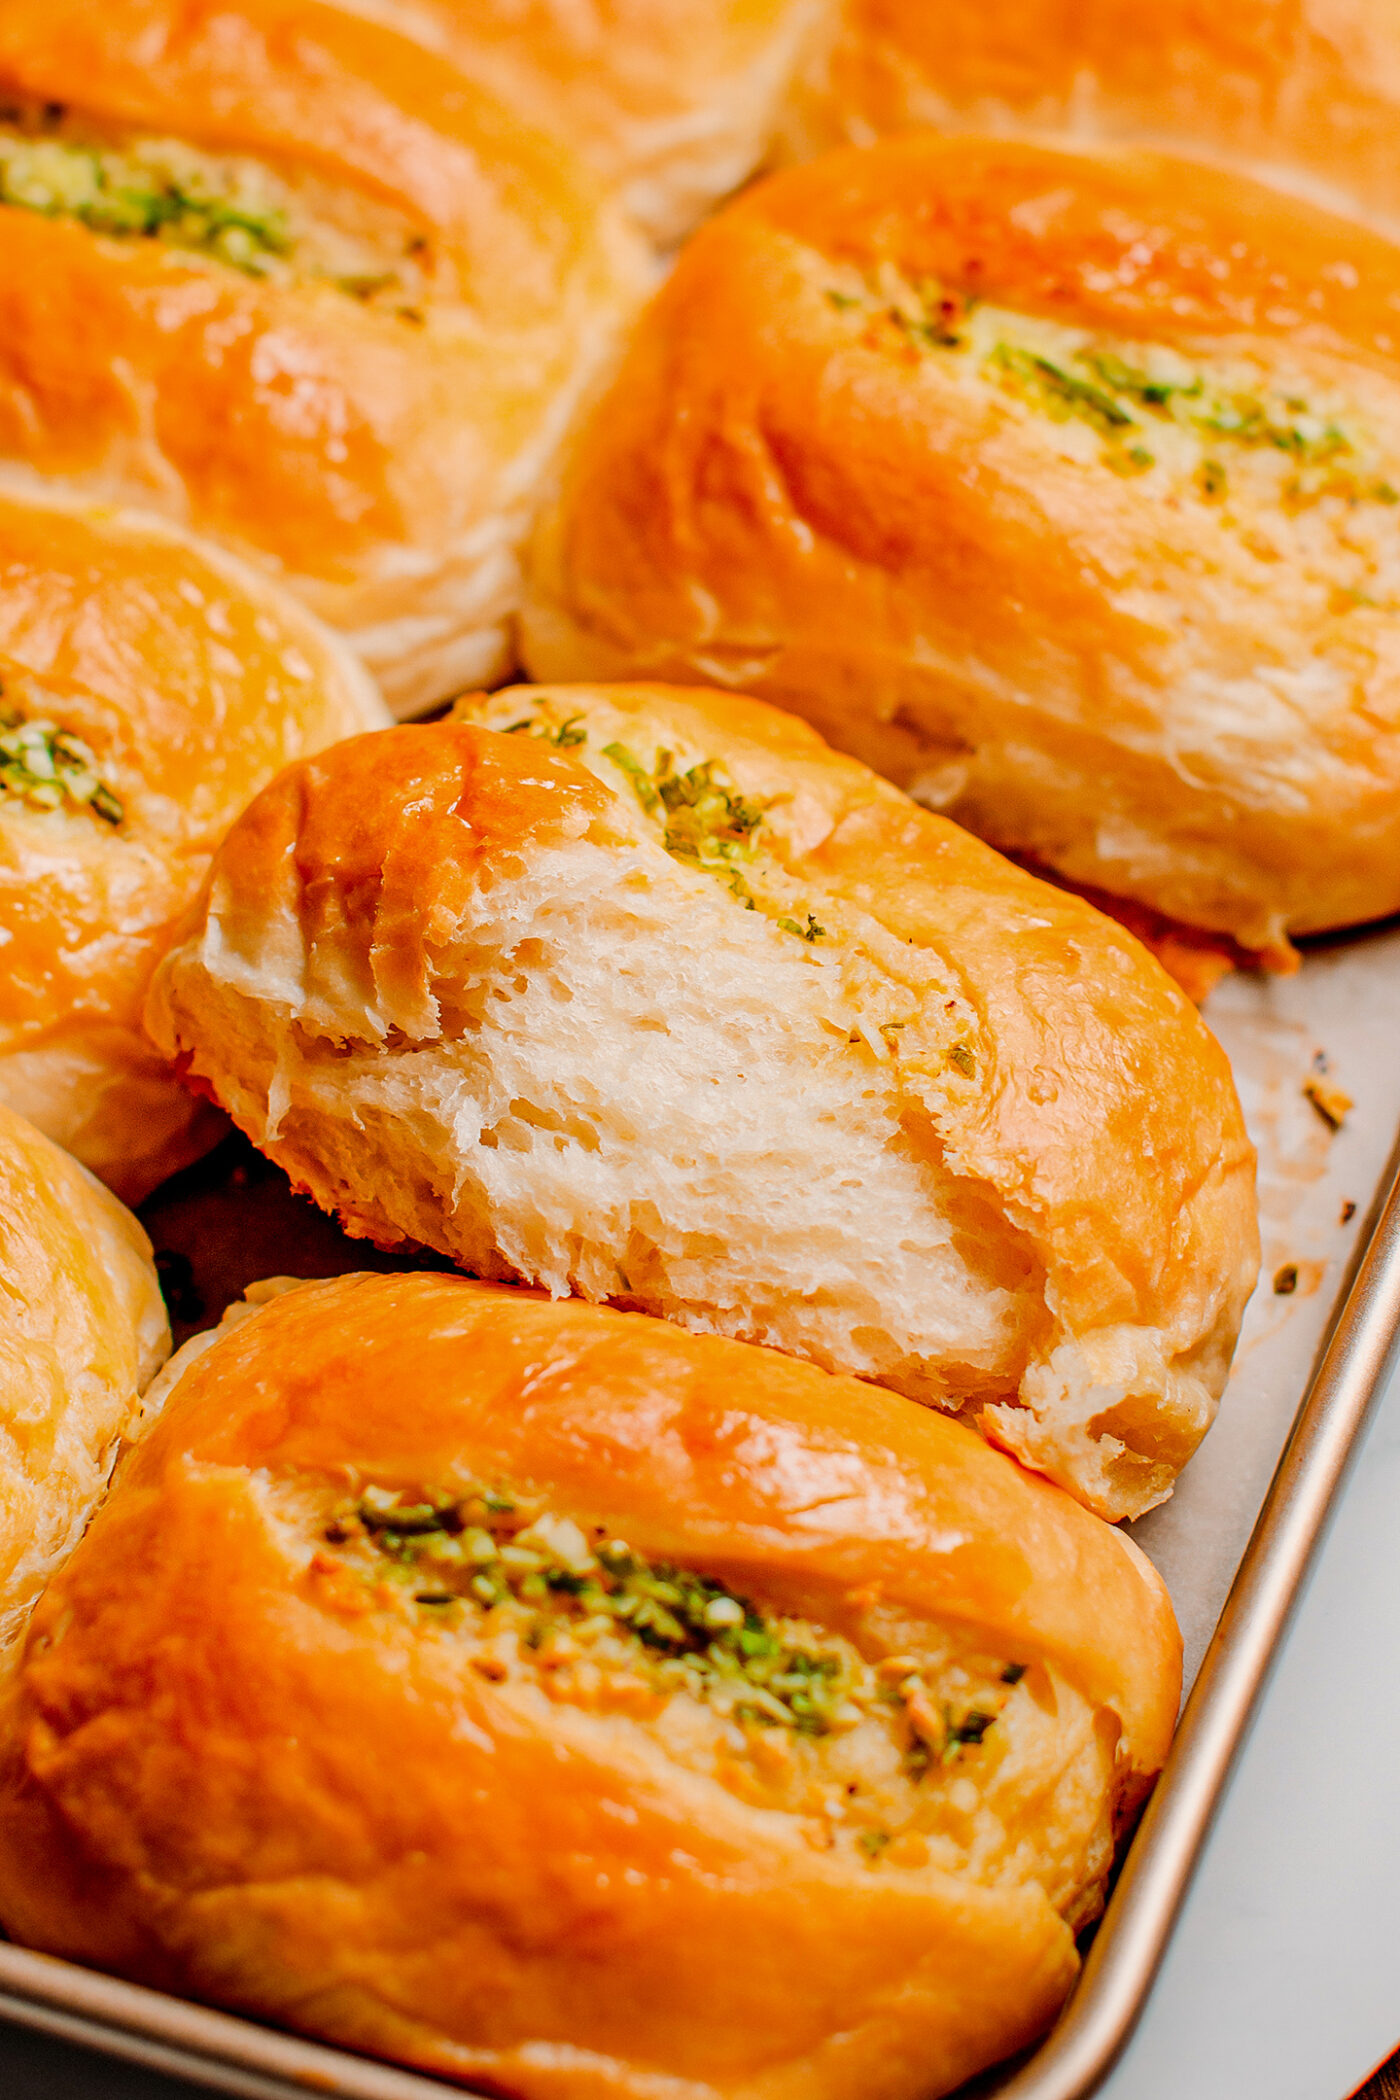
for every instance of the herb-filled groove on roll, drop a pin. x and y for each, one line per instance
(82, 1332)
(647, 995)
(1060, 487)
(539, 1694)
(287, 277)
(149, 685)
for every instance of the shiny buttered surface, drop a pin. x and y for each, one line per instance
(82, 1332)
(1060, 487)
(648, 995)
(149, 685)
(1307, 92)
(537, 1693)
(671, 102)
(287, 276)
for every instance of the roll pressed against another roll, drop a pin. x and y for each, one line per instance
(149, 685)
(288, 278)
(1302, 92)
(1060, 487)
(648, 995)
(672, 102)
(82, 1332)
(541, 1695)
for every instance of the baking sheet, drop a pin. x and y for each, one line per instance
(1343, 1007)
(232, 1219)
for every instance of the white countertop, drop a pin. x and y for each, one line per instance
(1283, 1979)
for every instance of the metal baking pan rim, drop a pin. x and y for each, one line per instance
(234, 2055)
(1359, 1350)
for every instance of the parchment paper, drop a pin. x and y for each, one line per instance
(233, 1218)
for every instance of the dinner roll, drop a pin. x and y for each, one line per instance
(286, 277)
(149, 685)
(646, 995)
(546, 1697)
(82, 1332)
(1305, 91)
(672, 102)
(1061, 488)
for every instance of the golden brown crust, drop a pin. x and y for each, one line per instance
(82, 1331)
(671, 101)
(231, 1775)
(345, 461)
(192, 681)
(1154, 646)
(1305, 91)
(1063, 1096)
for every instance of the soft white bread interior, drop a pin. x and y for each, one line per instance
(656, 999)
(653, 998)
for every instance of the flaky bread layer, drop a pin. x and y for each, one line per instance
(233, 1770)
(1059, 487)
(671, 102)
(861, 1090)
(82, 1332)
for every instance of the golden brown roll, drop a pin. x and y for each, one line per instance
(544, 1696)
(82, 1332)
(672, 102)
(149, 685)
(286, 277)
(647, 995)
(1061, 488)
(1306, 92)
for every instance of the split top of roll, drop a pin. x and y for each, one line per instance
(1061, 487)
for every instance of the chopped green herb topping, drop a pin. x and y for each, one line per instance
(1108, 399)
(707, 824)
(812, 931)
(1246, 420)
(507, 1563)
(963, 1058)
(1051, 387)
(1139, 386)
(1128, 460)
(116, 194)
(926, 313)
(47, 767)
(873, 1842)
(566, 735)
